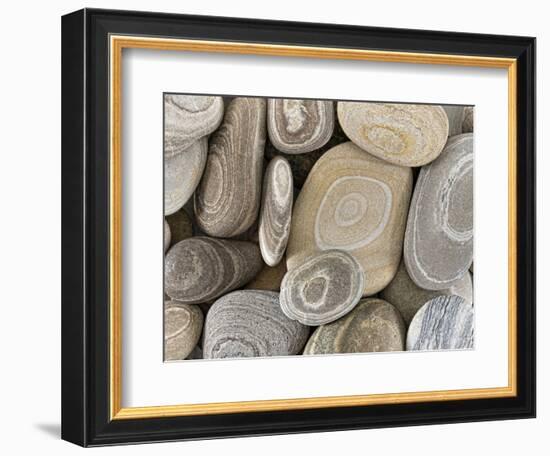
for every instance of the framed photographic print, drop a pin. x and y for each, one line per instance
(276, 227)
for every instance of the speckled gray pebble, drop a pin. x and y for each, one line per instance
(182, 329)
(250, 323)
(200, 269)
(443, 323)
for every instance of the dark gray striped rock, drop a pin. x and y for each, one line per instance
(277, 199)
(407, 297)
(167, 235)
(200, 269)
(182, 329)
(228, 198)
(403, 134)
(455, 114)
(438, 246)
(443, 323)
(372, 326)
(181, 226)
(299, 126)
(188, 118)
(182, 174)
(250, 323)
(323, 288)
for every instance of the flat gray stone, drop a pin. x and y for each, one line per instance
(407, 297)
(468, 122)
(188, 118)
(167, 235)
(443, 323)
(276, 211)
(372, 326)
(200, 269)
(299, 126)
(403, 134)
(250, 323)
(182, 329)
(438, 247)
(228, 198)
(455, 115)
(182, 174)
(325, 287)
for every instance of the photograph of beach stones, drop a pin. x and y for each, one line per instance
(299, 227)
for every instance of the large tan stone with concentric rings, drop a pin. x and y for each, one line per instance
(404, 134)
(228, 198)
(355, 202)
(438, 247)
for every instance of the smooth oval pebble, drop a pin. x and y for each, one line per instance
(181, 226)
(269, 278)
(228, 198)
(182, 329)
(167, 235)
(182, 174)
(455, 115)
(468, 122)
(403, 134)
(299, 126)
(438, 246)
(443, 323)
(188, 118)
(355, 202)
(277, 199)
(250, 323)
(322, 289)
(200, 269)
(407, 297)
(372, 326)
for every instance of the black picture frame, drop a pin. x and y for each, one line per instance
(85, 228)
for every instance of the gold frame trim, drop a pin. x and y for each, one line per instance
(117, 44)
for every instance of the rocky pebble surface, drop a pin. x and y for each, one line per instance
(312, 227)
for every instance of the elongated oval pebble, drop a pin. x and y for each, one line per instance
(438, 247)
(299, 126)
(200, 269)
(372, 326)
(181, 226)
(228, 198)
(188, 118)
(355, 202)
(443, 323)
(277, 199)
(407, 297)
(250, 323)
(404, 134)
(322, 289)
(182, 329)
(167, 235)
(182, 174)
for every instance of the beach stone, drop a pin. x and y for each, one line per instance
(188, 118)
(355, 202)
(455, 115)
(228, 198)
(167, 236)
(195, 354)
(182, 329)
(301, 164)
(438, 248)
(408, 298)
(277, 200)
(182, 174)
(250, 323)
(468, 122)
(299, 126)
(403, 134)
(200, 269)
(325, 287)
(443, 323)
(372, 326)
(269, 278)
(181, 226)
